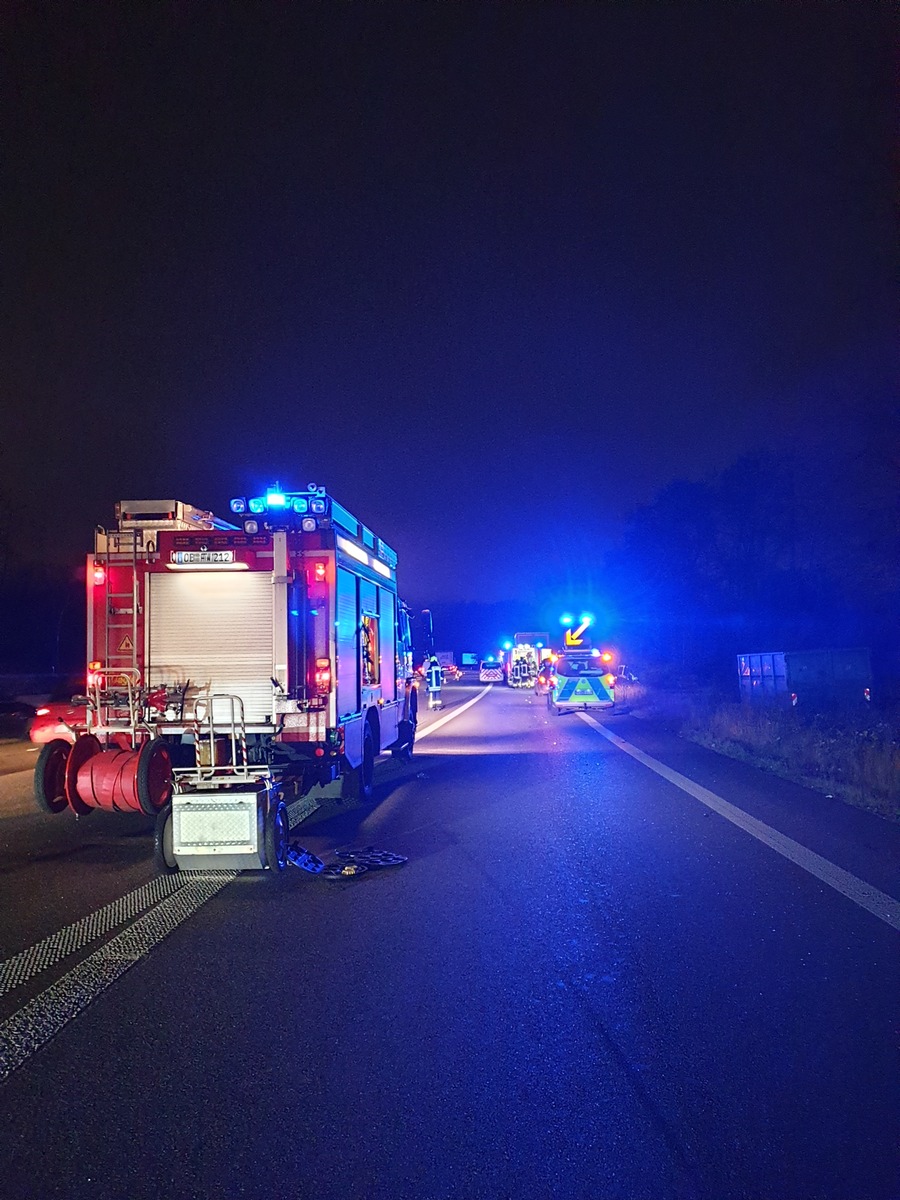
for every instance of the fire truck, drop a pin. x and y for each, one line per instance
(525, 657)
(232, 670)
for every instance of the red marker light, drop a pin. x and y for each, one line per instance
(321, 569)
(323, 676)
(99, 575)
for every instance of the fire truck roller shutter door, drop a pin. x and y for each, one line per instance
(347, 638)
(214, 628)
(388, 646)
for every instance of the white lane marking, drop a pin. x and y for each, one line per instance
(42, 1018)
(453, 713)
(21, 967)
(885, 907)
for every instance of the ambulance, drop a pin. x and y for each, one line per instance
(582, 679)
(234, 669)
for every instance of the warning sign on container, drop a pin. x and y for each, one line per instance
(126, 643)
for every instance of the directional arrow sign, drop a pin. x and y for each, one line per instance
(574, 636)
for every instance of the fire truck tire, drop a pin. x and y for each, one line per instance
(154, 777)
(276, 834)
(163, 853)
(406, 739)
(50, 776)
(407, 730)
(358, 782)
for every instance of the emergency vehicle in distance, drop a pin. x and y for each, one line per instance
(582, 679)
(581, 676)
(231, 669)
(526, 653)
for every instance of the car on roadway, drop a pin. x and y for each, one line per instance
(15, 718)
(58, 718)
(490, 672)
(582, 680)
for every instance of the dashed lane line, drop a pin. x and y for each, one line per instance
(50, 950)
(454, 713)
(878, 903)
(26, 1031)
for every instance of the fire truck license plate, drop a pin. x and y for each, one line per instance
(198, 557)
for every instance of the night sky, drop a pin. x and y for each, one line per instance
(493, 274)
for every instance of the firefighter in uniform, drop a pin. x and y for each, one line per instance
(433, 679)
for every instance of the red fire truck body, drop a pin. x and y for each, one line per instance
(232, 668)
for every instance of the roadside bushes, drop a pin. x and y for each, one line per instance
(852, 755)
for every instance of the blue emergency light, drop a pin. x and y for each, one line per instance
(238, 504)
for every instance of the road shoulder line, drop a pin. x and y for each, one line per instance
(33, 1025)
(881, 905)
(21, 967)
(454, 713)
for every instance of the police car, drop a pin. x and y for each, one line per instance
(581, 680)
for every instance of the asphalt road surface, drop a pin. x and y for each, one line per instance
(620, 968)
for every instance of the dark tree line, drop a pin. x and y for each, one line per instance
(780, 552)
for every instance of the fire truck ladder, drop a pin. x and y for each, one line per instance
(118, 555)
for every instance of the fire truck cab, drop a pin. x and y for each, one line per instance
(233, 668)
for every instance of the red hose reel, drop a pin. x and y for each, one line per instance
(86, 776)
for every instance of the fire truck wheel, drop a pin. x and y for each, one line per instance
(50, 776)
(406, 738)
(358, 781)
(154, 777)
(276, 836)
(163, 854)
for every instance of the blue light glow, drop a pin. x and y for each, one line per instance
(507, 645)
(567, 619)
(238, 504)
(587, 618)
(257, 505)
(300, 506)
(276, 499)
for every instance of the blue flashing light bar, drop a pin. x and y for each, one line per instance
(276, 499)
(565, 619)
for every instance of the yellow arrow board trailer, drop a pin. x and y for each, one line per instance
(581, 680)
(233, 669)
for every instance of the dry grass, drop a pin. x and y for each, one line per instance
(853, 756)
